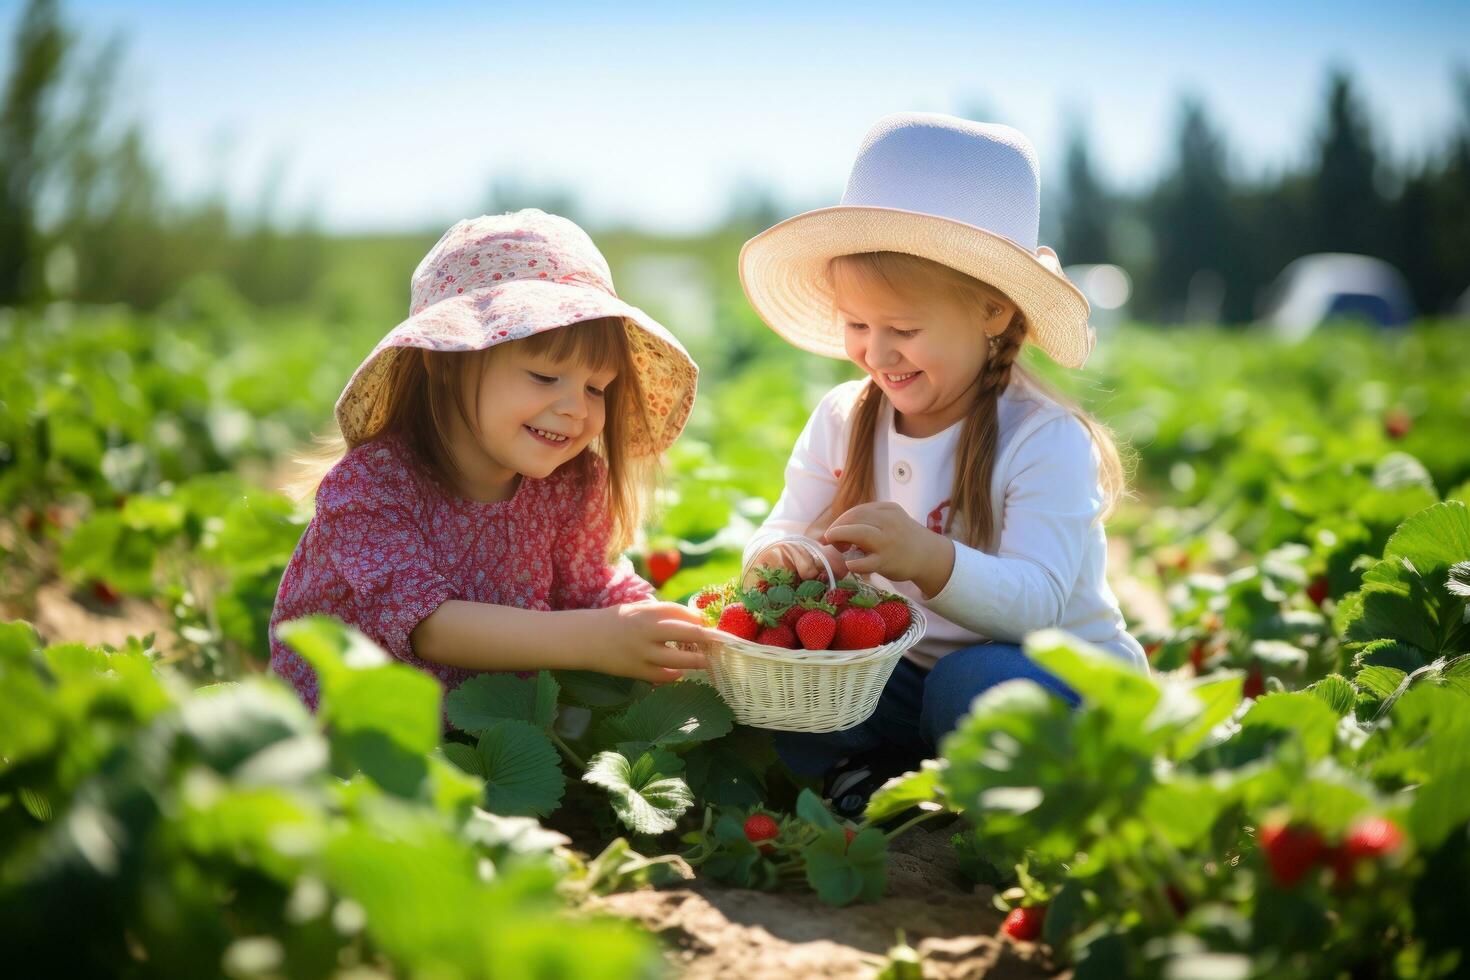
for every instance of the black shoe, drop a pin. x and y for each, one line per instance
(851, 783)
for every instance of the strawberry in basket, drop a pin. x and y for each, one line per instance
(781, 610)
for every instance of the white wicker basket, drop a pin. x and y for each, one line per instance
(805, 690)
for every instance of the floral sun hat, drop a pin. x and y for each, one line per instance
(498, 278)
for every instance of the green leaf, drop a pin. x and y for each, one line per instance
(841, 873)
(1441, 807)
(466, 757)
(396, 700)
(646, 796)
(809, 807)
(675, 714)
(481, 701)
(921, 788)
(522, 770)
(1297, 713)
(1337, 693)
(229, 726)
(1405, 596)
(1096, 676)
(1219, 697)
(1183, 810)
(363, 690)
(593, 690)
(1380, 682)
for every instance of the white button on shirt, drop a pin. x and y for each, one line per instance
(1050, 566)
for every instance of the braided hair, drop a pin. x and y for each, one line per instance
(971, 504)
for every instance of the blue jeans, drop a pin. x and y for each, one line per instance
(918, 707)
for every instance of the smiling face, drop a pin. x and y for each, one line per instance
(535, 405)
(923, 342)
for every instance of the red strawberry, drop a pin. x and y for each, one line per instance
(896, 617)
(761, 827)
(1396, 424)
(736, 619)
(838, 598)
(1177, 901)
(105, 593)
(1197, 657)
(1317, 591)
(1024, 924)
(1366, 841)
(1291, 851)
(859, 629)
(777, 636)
(706, 597)
(791, 617)
(1372, 838)
(816, 629)
(1254, 684)
(662, 565)
(849, 834)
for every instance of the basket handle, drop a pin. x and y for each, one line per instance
(795, 539)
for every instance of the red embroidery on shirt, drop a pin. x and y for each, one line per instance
(935, 522)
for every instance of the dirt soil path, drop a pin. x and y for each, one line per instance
(710, 931)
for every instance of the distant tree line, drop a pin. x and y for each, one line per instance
(1202, 238)
(85, 214)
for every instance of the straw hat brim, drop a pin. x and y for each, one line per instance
(784, 273)
(483, 318)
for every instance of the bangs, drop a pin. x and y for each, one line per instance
(905, 277)
(598, 345)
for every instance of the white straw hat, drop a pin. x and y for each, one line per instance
(961, 193)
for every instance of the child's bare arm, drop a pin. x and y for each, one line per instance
(628, 640)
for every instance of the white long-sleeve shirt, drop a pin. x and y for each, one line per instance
(1050, 569)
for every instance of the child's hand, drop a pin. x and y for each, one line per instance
(638, 636)
(801, 561)
(897, 547)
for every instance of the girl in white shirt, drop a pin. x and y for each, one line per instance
(950, 474)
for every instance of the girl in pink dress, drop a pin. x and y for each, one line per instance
(497, 443)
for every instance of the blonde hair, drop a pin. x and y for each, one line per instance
(910, 276)
(423, 387)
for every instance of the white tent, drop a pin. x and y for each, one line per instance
(1317, 288)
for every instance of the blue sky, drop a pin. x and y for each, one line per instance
(399, 116)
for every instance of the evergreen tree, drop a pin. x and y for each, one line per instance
(1348, 209)
(39, 51)
(1087, 211)
(1193, 229)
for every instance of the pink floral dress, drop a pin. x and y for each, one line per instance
(388, 545)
